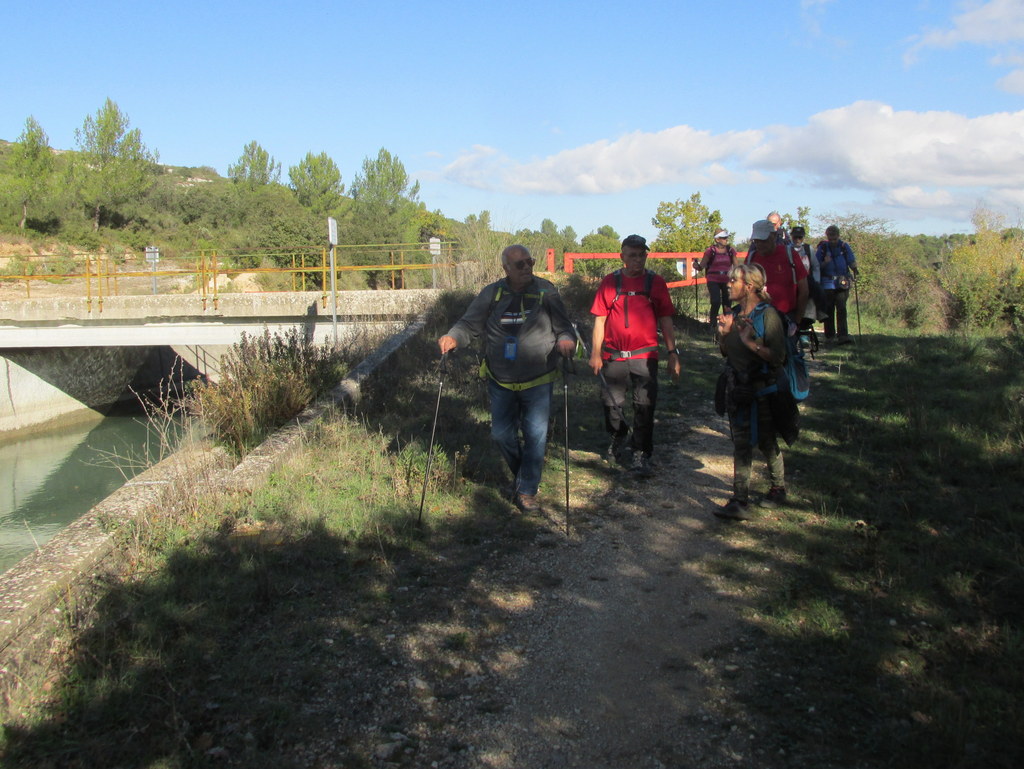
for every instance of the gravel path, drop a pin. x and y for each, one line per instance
(607, 650)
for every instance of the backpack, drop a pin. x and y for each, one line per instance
(648, 281)
(794, 367)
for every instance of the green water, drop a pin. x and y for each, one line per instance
(48, 480)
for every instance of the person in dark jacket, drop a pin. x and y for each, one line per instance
(525, 327)
(837, 263)
(753, 343)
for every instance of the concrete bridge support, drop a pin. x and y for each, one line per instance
(39, 386)
(53, 367)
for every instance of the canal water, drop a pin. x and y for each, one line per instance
(47, 480)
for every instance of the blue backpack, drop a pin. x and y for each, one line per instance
(795, 365)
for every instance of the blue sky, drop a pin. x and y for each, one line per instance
(587, 113)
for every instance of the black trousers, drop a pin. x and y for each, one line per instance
(836, 311)
(642, 375)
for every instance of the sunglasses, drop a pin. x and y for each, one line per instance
(522, 264)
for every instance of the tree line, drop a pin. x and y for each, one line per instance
(111, 193)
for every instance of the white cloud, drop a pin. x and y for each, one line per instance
(997, 21)
(675, 155)
(922, 163)
(992, 24)
(871, 145)
(1012, 82)
(915, 197)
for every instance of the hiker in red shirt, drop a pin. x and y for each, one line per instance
(785, 271)
(631, 305)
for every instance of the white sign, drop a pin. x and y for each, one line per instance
(152, 254)
(435, 246)
(332, 230)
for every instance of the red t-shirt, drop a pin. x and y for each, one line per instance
(643, 313)
(781, 285)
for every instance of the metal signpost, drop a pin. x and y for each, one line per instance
(332, 238)
(153, 256)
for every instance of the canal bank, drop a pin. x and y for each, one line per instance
(66, 575)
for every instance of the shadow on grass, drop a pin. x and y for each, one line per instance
(247, 653)
(891, 626)
(887, 631)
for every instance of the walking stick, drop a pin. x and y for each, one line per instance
(433, 430)
(604, 382)
(565, 394)
(856, 301)
(696, 295)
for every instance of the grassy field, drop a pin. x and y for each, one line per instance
(886, 599)
(890, 597)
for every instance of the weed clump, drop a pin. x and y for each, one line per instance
(265, 381)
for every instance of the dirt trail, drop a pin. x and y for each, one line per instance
(608, 659)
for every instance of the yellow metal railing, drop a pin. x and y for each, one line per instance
(101, 275)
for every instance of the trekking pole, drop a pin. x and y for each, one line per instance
(856, 301)
(565, 394)
(696, 300)
(433, 430)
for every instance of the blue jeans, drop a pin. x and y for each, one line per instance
(525, 411)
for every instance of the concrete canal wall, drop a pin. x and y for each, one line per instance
(46, 591)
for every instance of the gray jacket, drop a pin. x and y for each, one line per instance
(535, 319)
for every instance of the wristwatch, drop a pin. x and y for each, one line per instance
(674, 351)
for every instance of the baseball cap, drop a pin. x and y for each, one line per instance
(722, 234)
(762, 229)
(636, 241)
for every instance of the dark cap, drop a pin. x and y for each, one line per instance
(636, 241)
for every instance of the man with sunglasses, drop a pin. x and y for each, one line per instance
(525, 328)
(630, 307)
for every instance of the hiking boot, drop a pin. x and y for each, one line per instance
(618, 451)
(528, 503)
(776, 496)
(641, 466)
(733, 510)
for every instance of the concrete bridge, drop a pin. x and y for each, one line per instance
(59, 356)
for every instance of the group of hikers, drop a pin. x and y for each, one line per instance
(758, 308)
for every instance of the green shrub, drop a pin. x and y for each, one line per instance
(265, 381)
(984, 275)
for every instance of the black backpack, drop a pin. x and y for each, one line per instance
(648, 282)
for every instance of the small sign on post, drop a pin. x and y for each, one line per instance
(435, 251)
(332, 238)
(153, 256)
